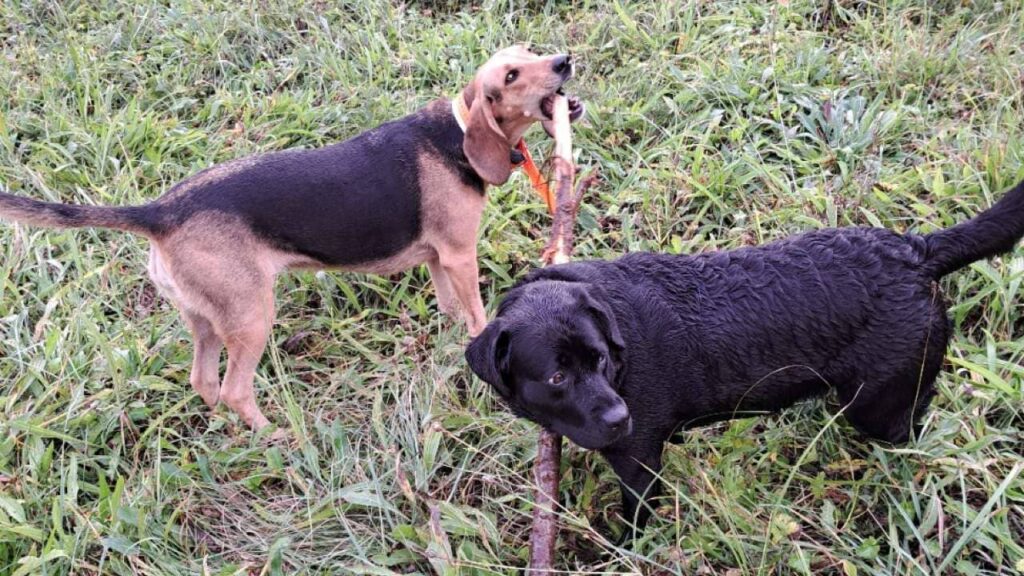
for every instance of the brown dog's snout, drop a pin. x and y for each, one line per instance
(562, 64)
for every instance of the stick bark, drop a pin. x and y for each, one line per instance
(547, 469)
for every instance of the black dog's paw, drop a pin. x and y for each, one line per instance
(626, 538)
(628, 535)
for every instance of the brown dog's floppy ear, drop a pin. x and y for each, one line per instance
(485, 144)
(488, 356)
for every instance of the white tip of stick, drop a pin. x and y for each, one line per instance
(563, 131)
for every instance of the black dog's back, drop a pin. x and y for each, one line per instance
(775, 323)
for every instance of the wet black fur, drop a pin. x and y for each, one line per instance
(707, 337)
(348, 203)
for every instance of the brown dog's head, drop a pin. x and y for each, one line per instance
(509, 93)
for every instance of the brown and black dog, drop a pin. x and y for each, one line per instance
(408, 192)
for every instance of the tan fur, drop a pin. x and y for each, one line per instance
(486, 145)
(220, 275)
(451, 219)
(500, 112)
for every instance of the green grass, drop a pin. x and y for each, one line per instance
(714, 125)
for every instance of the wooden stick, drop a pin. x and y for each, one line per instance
(560, 245)
(547, 469)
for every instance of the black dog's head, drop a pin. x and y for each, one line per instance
(553, 353)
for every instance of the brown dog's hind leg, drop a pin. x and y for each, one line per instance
(245, 332)
(222, 279)
(205, 377)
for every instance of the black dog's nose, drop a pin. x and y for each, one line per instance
(616, 417)
(562, 64)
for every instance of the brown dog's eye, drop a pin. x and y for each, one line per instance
(511, 76)
(556, 379)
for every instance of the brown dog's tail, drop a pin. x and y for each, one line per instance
(138, 219)
(992, 232)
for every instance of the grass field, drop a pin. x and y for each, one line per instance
(714, 124)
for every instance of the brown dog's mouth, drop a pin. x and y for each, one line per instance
(575, 105)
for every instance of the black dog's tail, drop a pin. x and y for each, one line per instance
(136, 219)
(992, 232)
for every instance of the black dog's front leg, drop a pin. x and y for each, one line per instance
(636, 467)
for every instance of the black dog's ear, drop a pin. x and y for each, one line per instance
(593, 299)
(488, 356)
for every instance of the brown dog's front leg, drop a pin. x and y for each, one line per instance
(461, 268)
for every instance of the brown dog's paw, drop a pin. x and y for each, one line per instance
(279, 437)
(449, 307)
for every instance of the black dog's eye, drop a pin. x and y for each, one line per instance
(556, 379)
(511, 76)
(602, 361)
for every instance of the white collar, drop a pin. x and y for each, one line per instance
(457, 110)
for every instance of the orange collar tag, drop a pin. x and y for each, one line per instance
(461, 112)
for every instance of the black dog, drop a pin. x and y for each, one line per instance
(619, 355)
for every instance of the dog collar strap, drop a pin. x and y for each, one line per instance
(460, 110)
(540, 185)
